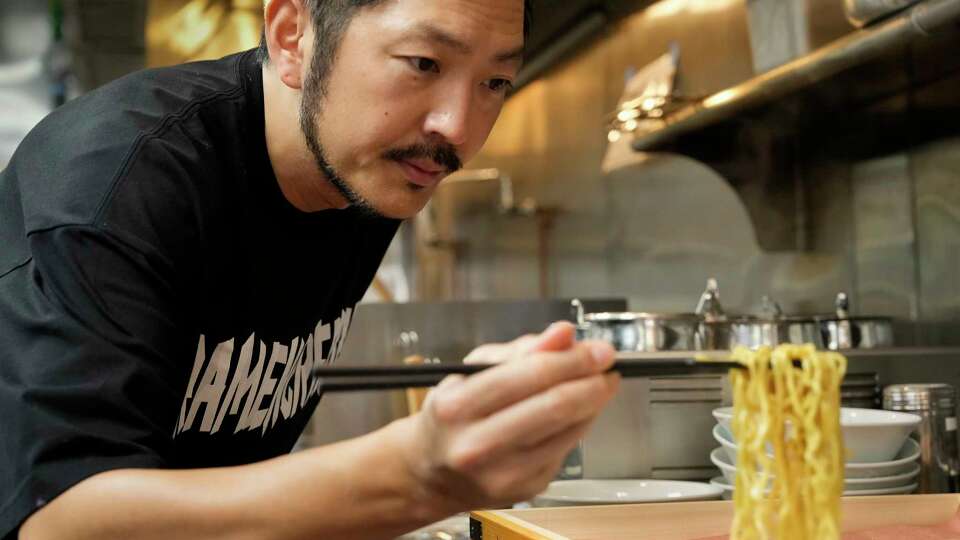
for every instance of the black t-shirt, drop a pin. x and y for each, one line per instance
(161, 302)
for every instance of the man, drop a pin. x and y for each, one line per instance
(177, 256)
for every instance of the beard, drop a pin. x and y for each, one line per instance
(311, 109)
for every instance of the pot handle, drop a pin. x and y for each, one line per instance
(709, 305)
(577, 306)
(842, 303)
(770, 309)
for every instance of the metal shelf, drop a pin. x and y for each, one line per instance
(902, 351)
(854, 49)
(849, 353)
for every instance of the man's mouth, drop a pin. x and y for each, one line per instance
(422, 172)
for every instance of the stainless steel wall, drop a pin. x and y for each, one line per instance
(653, 232)
(878, 224)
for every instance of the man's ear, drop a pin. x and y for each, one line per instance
(285, 25)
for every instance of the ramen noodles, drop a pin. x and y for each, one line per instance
(790, 459)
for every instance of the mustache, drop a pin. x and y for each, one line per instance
(443, 155)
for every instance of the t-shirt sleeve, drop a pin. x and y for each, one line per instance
(89, 330)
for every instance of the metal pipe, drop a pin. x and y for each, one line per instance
(856, 48)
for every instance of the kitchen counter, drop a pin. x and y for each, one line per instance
(689, 520)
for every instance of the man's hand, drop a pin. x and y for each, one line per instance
(500, 436)
(559, 336)
(487, 440)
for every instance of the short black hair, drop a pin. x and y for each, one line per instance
(330, 19)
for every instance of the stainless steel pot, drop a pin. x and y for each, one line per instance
(770, 328)
(845, 332)
(646, 332)
(756, 332)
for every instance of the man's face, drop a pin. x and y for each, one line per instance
(414, 91)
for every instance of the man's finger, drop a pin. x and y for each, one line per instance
(559, 336)
(493, 389)
(495, 353)
(533, 421)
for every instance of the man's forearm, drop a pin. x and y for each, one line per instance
(356, 489)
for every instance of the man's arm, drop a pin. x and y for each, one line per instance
(355, 489)
(488, 440)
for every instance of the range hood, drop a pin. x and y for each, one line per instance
(562, 28)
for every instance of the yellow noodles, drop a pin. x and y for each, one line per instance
(795, 412)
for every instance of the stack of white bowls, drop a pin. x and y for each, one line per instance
(882, 459)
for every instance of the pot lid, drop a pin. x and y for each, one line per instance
(626, 316)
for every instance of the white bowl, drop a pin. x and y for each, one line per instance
(901, 490)
(872, 435)
(869, 435)
(883, 482)
(902, 463)
(727, 489)
(724, 417)
(723, 436)
(591, 492)
(719, 458)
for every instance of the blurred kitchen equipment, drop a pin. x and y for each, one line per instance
(415, 396)
(719, 331)
(409, 343)
(778, 32)
(845, 332)
(936, 404)
(628, 331)
(621, 443)
(771, 328)
(863, 12)
(713, 332)
(861, 390)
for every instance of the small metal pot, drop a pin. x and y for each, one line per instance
(845, 332)
(771, 328)
(754, 332)
(637, 331)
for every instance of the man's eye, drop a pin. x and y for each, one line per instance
(424, 64)
(499, 85)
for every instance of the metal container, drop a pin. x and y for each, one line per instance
(863, 12)
(845, 332)
(647, 332)
(719, 331)
(755, 332)
(936, 404)
(714, 331)
(646, 407)
(861, 390)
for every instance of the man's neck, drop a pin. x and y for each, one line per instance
(298, 176)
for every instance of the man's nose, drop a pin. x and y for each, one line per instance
(449, 118)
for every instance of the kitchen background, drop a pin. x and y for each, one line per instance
(830, 162)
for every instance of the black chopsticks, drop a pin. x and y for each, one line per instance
(349, 379)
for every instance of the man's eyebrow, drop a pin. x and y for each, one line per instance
(430, 32)
(515, 55)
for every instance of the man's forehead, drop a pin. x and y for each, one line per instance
(498, 21)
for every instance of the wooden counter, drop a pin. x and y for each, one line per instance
(686, 521)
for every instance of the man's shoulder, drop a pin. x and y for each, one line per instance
(73, 160)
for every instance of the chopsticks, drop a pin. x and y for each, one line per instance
(351, 379)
